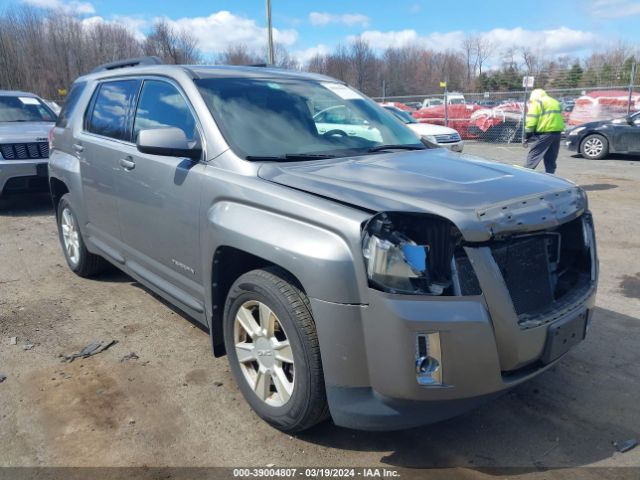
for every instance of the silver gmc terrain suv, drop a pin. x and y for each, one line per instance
(368, 277)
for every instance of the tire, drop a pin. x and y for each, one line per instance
(293, 399)
(594, 147)
(80, 260)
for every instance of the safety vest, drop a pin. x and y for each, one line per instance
(544, 115)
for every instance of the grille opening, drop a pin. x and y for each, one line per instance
(545, 271)
(24, 151)
(448, 138)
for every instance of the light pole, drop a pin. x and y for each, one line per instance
(269, 34)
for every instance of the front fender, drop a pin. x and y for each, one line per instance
(321, 259)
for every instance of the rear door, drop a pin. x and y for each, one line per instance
(105, 133)
(159, 200)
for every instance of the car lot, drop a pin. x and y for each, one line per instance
(176, 405)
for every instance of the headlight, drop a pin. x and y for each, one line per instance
(410, 253)
(576, 131)
(430, 139)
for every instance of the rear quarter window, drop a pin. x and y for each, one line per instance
(111, 109)
(70, 104)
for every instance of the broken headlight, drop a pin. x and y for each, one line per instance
(409, 253)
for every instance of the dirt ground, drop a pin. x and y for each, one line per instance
(176, 405)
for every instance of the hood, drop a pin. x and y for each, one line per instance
(24, 132)
(482, 198)
(430, 129)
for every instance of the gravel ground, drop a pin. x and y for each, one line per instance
(176, 405)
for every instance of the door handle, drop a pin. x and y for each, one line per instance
(78, 148)
(127, 163)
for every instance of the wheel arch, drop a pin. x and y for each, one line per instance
(57, 189)
(229, 264)
(320, 259)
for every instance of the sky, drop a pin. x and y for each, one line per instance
(559, 27)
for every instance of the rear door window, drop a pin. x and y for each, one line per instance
(70, 103)
(112, 106)
(161, 105)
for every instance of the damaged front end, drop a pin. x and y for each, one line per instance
(538, 268)
(549, 271)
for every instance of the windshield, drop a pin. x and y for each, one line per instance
(281, 118)
(24, 109)
(403, 116)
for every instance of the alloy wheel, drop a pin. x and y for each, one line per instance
(70, 236)
(593, 147)
(264, 353)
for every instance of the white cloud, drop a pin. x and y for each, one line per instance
(557, 41)
(134, 24)
(221, 29)
(349, 19)
(303, 56)
(77, 7)
(436, 41)
(614, 8)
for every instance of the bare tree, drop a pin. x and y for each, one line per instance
(469, 51)
(283, 58)
(172, 45)
(238, 54)
(338, 64)
(317, 64)
(484, 49)
(364, 64)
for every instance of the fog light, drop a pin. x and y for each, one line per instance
(428, 359)
(426, 365)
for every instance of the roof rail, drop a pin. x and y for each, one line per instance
(128, 62)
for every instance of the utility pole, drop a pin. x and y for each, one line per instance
(384, 90)
(446, 101)
(631, 79)
(269, 34)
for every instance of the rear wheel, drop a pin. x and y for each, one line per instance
(80, 260)
(594, 147)
(273, 350)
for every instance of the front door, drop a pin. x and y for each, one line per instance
(159, 201)
(629, 136)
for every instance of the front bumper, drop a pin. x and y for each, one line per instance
(368, 355)
(454, 147)
(572, 142)
(23, 175)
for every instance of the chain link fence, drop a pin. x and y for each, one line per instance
(499, 117)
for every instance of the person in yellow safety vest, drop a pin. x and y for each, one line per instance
(545, 123)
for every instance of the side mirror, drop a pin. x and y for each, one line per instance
(629, 120)
(170, 142)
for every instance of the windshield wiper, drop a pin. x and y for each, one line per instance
(377, 148)
(289, 156)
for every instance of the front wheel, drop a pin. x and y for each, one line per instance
(274, 354)
(80, 260)
(594, 147)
